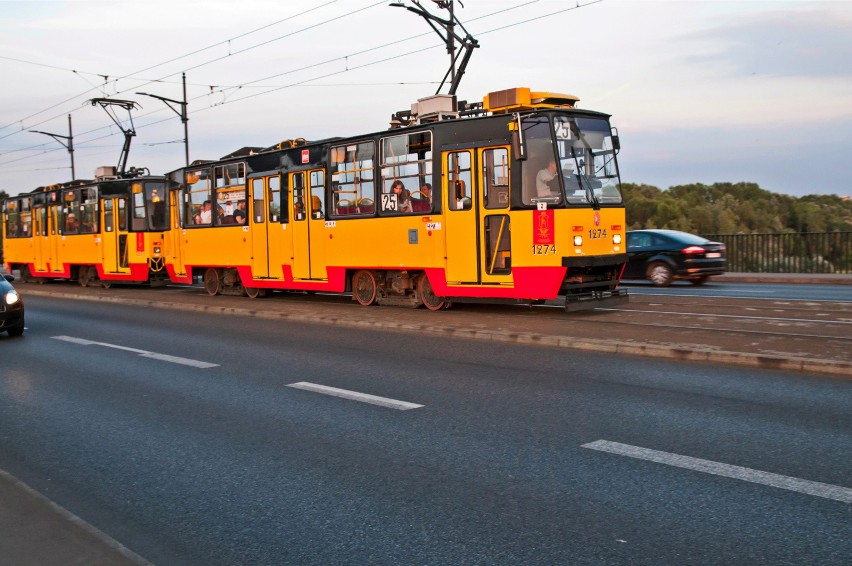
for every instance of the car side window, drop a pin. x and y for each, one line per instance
(640, 240)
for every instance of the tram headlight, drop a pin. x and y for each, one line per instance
(578, 240)
(12, 297)
(616, 239)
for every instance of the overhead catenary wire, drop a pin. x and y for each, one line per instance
(304, 82)
(230, 54)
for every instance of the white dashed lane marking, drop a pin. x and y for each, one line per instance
(828, 491)
(355, 396)
(143, 353)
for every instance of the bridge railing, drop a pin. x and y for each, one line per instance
(810, 252)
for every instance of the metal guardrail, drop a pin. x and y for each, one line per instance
(810, 252)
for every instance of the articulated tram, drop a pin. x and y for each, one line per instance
(514, 199)
(97, 231)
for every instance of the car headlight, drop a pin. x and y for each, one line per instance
(12, 297)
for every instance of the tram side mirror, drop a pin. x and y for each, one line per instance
(616, 143)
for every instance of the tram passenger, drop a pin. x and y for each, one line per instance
(239, 216)
(204, 215)
(424, 203)
(316, 207)
(543, 180)
(71, 224)
(403, 200)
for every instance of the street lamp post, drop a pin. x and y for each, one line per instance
(69, 146)
(181, 113)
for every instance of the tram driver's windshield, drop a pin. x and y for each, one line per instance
(581, 172)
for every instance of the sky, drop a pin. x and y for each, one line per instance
(700, 91)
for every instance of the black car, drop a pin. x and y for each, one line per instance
(662, 256)
(11, 308)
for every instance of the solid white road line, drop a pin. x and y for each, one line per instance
(828, 491)
(143, 353)
(355, 396)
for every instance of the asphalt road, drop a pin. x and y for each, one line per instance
(515, 454)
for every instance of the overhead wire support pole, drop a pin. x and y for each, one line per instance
(107, 104)
(182, 113)
(69, 146)
(450, 37)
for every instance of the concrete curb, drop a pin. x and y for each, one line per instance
(51, 534)
(673, 352)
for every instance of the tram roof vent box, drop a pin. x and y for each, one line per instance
(435, 108)
(522, 98)
(106, 173)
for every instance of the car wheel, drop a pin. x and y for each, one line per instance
(699, 280)
(16, 330)
(660, 274)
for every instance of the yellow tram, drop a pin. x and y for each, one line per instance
(517, 198)
(99, 231)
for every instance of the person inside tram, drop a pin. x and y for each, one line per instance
(71, 223)
(424, 203)
(204, 215)
(403, 200)
(543, 180)
(239, 216)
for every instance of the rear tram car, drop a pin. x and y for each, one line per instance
(515, 199)
(95, 232)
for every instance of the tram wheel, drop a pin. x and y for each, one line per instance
(212, 281)
(84, 276)
(254, 292)
(364, 288)
(430, 300)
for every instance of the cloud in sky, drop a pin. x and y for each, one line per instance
(701, 91)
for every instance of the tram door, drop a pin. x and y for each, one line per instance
(114, 235)
(461, 225)
(307, 220)
(264, 212)
(53, 238)
(175, 247)
(477, 216)
(41, 239)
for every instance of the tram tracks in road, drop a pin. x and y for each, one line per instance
(812, 339)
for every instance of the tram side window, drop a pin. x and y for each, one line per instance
(197, 197)
(459, 180)
(18, 217)
(89, 211)
(11, 218)
(498, 244)
(317, 194)
(40, 215)
(495, 177)
(539, 178)
(298, 188)
(274, 199)
(70, 212)
(407, 159)
(156, 199)
(353, 190)
(230, 190)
